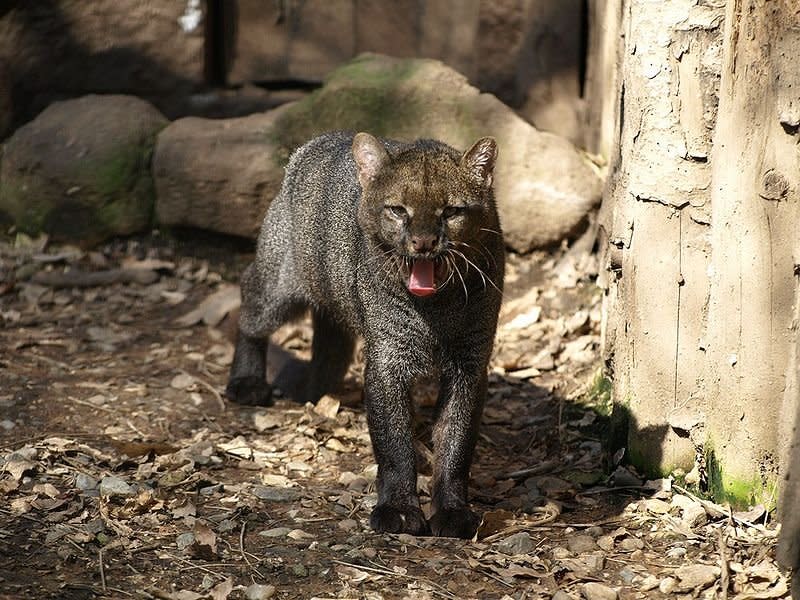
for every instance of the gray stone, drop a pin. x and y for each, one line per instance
(274, 494)
(598, 591)
(185, 540)
(275, 532)
(218, 175)
(627, 574)
(348, 524)
(518, 543)
(85, 482)
(562, 595)
(696, 576)
(581, 543)
(629, 544)
(80, 170)
(114, 486)
(259, 592)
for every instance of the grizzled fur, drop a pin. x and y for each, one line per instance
(340, 238)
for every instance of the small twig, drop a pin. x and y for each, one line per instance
(94, 406)
(437, 589)
(201, 567)
(212, 389)
(496, 578)
(244, 554)
(724, 578)
(102, 571)
(136, 429)
(544, 467)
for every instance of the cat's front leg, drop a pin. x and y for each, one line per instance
(461, 398)
(386, 395)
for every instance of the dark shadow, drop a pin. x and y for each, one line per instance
(54, 65)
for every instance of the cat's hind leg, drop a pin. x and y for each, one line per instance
(331, 353)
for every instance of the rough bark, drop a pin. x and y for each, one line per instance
(754, 199)
(698, 230)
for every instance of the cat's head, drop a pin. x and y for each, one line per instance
(427, 207)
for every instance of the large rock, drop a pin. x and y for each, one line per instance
(222, 174)
(218, 175)
(80, 170)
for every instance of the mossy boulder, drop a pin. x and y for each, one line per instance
(81, 169)
(221, 175)
(544, 185)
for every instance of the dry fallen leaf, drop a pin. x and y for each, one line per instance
(205, 542)
(222, 590)
(213, 309)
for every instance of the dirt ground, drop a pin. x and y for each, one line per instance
(125, 474)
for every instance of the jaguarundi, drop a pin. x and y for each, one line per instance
(399, 243)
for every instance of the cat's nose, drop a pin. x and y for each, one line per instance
(423, 242)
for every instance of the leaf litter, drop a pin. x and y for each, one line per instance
(124, 473)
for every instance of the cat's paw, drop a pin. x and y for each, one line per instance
(250, 391)
(398, 519)
(455, 522)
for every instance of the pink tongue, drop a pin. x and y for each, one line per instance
(421, 281)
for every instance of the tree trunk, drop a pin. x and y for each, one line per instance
(698, 232)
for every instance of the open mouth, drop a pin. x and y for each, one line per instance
(422, 279)
(426, 275)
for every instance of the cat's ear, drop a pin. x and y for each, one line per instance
(479, 160)
(370, 157)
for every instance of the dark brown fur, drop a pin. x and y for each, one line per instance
(353, 215)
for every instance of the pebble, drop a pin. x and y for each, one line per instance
(259, 592)
(300, 570)
(667, 585)
(348, 524)
(627, 574)
(606, 542)
(562, 595)
(560, 552)
(274, 494)
(594, 561)
(692, 513)
(656, 506)
(677, 552)
(184, 540)
(630, 544)
(519, 543)
(275, 532)
(581, 543)
(299, 534)
(696, 576)
(595, 531)
(182, 381)
(7, 425)
(598, 591)
(85, 482)
(649, 583)
(114, 486)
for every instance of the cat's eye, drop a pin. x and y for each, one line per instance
(398, 212)
(448, 212)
